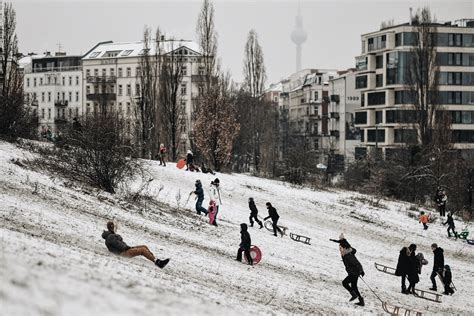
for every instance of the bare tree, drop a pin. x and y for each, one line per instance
(216, 125)
(254, 68)
(422, 75)
(207, 40)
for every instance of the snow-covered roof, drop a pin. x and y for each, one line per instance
(275, 87)
(28, 60)
(135, 49)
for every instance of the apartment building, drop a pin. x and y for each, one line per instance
(111, 73)
(386, 115)
(53, 85)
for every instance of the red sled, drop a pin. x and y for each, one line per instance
(255, 253)
(181, 163)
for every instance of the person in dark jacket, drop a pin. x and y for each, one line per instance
(413, 269)
(116, 245)
(438, 264)
(450, 222)
(441, 199)
(245, 243)
(200, 198)
(403, 266)
(254, 213)
(189, 161)
(273, 215)
(342, 241)
(447, 280)
(354, 270)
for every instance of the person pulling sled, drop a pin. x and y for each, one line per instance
(447, 280)
(273, 215)
(116, 245)
(254, 213)
(354, 270)
(450, 222)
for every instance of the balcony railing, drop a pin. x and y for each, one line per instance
(101, 79)
(335, 115)
(56, 69)
(61, 103)
(101, 96)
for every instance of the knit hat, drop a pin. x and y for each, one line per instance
(412, 247)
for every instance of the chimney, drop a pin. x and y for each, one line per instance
(162, 38)
(411, 16)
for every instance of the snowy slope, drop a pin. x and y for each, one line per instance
(54, 262)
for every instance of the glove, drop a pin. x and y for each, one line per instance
(362, 274)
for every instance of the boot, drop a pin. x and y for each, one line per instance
(433, 289)
(261, 225)
(353, 296)
(251, 224)
(161, 263)
(361, 301)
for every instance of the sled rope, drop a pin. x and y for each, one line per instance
(372, 290)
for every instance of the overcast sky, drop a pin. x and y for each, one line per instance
(333, 27)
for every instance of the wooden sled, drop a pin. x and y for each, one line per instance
(427, 295)
(395, 310)
(385, 269)
(269, 226)
(300, 238)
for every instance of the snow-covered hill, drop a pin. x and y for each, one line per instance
(54, 262)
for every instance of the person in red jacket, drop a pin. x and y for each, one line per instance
(116, 245)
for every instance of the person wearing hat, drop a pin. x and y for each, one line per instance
(403, 266)
(245, 243)
(116, 245)
(273, 215)
(189, 161)
(200, 198)
(162, 155)
(215, 195)
(254, 213)
(438, 264)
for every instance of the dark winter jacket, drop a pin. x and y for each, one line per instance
(353, 266)
(199, 191)
(447, 278)
(189, 158)
(438, 263)
(114, 242)
(450, 221)
(245, 240)
(413, 268)
(342, 242)
(253, 208)
(272, 213)
(403, 264)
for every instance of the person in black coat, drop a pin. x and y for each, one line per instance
(354, 270)
(403, 266)
(200, 198)
(253, 213)
(438, 264)
(116, 245)
(273, 215)
(245, 243)
(413, 269)
(342, 241)
(189, 161)
(447, 279)
(450, 222)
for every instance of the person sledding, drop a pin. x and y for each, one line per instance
(342, 241)
(199, 197)
(116, 245)
(354, 270)
(273, 215)
(245, 243)
(450, 222)
(215, 195)
(254, 213)
(212, 212)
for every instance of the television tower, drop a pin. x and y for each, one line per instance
(298, 36)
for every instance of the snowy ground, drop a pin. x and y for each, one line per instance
(54, 262)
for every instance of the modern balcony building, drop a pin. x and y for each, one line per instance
(53, 87)
(386, 115)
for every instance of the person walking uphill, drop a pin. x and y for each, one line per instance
(438, 264)
(253, 213)
(354, 270)
(272, 213)
(245, 243)
(200, 198)
(215, 195)
(116, 245)
(450, 222)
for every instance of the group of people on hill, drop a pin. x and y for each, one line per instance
(409, 267)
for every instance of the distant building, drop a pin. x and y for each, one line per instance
(53, 85)
(386, 116)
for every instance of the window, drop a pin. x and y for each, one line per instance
(379, 80)
(49, 79)
(77, 96)
(27, 82)
(138, 71)
(88, 73)
(376, 43)
(405, 136)
(185, 70)
(378, 117)
(454, 78)
(49, 113)
(88, 89)
(463, 136)
(41, 81)
(70, 113)
(42, 113)
(361, 82)
(70, 97)
(183, 89)
(361, 63)
(104, 72)
(55, 80)
(42, 96)
(144, 51)
(374, 136)
(94, 55)
(201, 70)
(454, 59)
(376, 98)
(129, 72)
(455, 39)
(361, 118)
(112, 72)
(120, 72)
(112, 53)
(34, 82)
(77, 80)
(58, 96)
(137, 89)
(398, 39)
(96, 72)
(64, 96)
(403, 97)
(119, 89)
(127, 52)
(128, 107)
(316, 96)
(454, 97)
(70, 81)
(129, 89)
(379, 61)
(49, 96)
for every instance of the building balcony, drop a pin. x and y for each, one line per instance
(334, 115)
(101, 96)
(314, 116)
(61, 103)
(34, 103)
(60, 120)
(334, 133)
(101, 79)
(335, 98)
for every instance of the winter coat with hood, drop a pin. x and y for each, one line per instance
(245, 241)
(438, 262)
(253, 208)
(403, 264)
(448, 277)
(199, 191)
(272, 213)
(413, 268)
(214, 194)
(353, 266)
(449, 221)
(114, 242)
